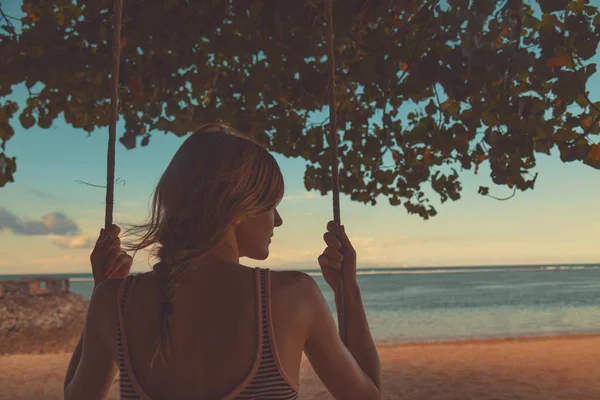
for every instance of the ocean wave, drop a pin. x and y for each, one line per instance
(411, 272)
(428, 270)
(470, 270)
(81, 279)
(568, 268)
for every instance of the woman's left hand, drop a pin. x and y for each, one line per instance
(108, 260)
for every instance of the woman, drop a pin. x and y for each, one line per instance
(203, 326)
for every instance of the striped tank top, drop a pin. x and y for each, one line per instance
(266, 380)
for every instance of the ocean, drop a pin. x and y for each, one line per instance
(455, 303)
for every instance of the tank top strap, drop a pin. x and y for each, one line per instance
(123, 293)
(128, 385)
(270, 355)
(264, 309)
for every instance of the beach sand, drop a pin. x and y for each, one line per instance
(565, 368)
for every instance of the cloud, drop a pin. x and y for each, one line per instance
(380, 251)
(371, 242)
(54, 223)
(59, 263)
(301, 196)
(289, 256)
(74, 242)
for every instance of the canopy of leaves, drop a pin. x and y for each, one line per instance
(485, 81)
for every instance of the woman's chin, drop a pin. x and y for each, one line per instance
(263, 255)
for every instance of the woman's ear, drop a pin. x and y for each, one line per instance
(237, 222)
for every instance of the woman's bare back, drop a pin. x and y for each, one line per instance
(214, 332)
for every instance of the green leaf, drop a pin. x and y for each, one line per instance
(431, 108)
(128, 141)
(27, 120)
(395, 201)
(548, 6)
(45, 122)
(263, 69)
(586, 48)
(567, 87)
(169, 4)
(8, 167)
(6, 131)
(450, 106)
(59, 17)
(8, 29)
(35, 51)
(388, 177)
(543, 146)
(489, 119)
(367, 68)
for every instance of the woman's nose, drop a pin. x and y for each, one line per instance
(278, 220)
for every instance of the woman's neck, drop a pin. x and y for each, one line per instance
(223, 252)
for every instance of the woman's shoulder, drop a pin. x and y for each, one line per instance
(295, 284)
(291, 278)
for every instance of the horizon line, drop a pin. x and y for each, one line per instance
(364, 268)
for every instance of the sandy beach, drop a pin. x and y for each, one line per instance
(565, 368)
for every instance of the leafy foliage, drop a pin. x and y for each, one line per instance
(485, 81)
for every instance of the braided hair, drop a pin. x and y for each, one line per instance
(216, 177)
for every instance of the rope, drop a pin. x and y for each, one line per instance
(114, 114)
(333, 139)
(333, 147)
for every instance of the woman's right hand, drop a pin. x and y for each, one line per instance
(338, 260)
(107, 258)
(351, 369)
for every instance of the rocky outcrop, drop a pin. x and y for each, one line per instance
(34, 286)
(41, 324)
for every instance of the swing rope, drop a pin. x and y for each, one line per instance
(333, 147)
(333, 138)
(114, 114)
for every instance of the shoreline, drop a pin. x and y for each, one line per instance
(561, 367)
(437, 343)
(60, 340)
(489, 340)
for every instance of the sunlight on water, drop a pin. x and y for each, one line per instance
(408, 304)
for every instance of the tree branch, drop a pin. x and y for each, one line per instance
(414, 17)
(355, 41)
(505, 198)
(414, 55)
(118, 181)
(517, 15)
(581, 86)
(8, 18)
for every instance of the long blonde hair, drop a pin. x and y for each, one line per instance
(217, 176)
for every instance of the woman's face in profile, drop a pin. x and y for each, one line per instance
(254, 234)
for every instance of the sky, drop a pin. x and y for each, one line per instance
(49, 221)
